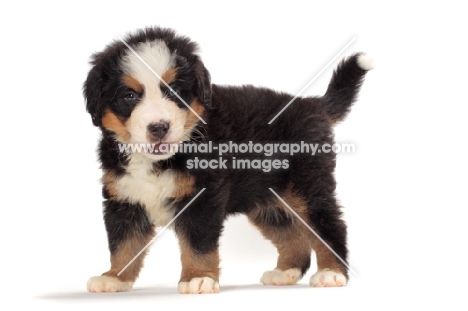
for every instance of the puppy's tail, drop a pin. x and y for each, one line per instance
(344, 85)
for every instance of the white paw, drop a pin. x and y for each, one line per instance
(366, 62)
(108, 284)
(278, 277)
(204, 285)
(327, 278)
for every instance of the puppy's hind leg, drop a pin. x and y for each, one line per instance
(314, 183)
(329, 235)
(292, 242)
(326, 221)
(321, 228)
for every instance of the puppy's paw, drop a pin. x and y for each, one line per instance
(327, 278)
(204, 285)
(108, 284)
(278, 277)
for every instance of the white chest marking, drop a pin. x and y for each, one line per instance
(141, 185)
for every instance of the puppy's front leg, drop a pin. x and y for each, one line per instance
(129, 230)
(198, 231)
(200, 271)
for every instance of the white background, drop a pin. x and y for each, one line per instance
(403, 190)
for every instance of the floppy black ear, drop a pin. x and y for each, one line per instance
(203, 88)
(92, 91)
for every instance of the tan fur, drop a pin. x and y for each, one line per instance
(111, 122)
(197, 265)
(192, 119)
(132, 83)
(124, 254)
(325, 258)
(108, 180)
(293, 242)
(169, 75)
(185, 186)
(295, 201)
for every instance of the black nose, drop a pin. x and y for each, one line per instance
(158, 129)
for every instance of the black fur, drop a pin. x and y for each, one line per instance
(241, 114)
(124, 220)
(110, 156)
(238, 114)
(104, 79)
(343, 88)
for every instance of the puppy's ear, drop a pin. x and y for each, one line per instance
(203, 87)
(92, 91)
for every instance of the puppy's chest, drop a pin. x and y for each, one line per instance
(141, 185)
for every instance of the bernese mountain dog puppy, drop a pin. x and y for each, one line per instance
(152, 89)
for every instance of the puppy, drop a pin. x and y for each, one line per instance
(151, 89)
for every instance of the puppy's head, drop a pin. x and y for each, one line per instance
(149, 88)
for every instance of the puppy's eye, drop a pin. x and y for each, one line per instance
(172, 92)
(131, 97)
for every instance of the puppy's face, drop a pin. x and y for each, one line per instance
(148, 94)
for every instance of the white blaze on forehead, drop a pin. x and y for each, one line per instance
(154, 54)
(154, 107)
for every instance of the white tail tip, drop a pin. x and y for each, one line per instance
(366, 62)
